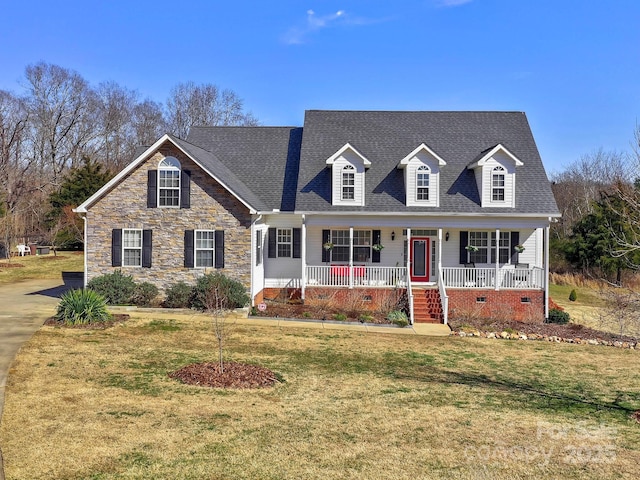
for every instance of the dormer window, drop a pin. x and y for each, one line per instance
(497, 184)
(348, 182)
(422, 183)
(169, 182)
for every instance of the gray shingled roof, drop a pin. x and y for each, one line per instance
(264, 158)
(286, 170)
(384, 138)
(219, 170)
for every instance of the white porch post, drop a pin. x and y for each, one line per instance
(439, 255)
(303, 254)
(546, 271)
(497, 282)
(350, 257)
(408, 252)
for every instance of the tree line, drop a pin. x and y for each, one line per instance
(599, 198)
(61, 129)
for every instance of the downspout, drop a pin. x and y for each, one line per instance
(408, 273)
(546, 271)
(303, 254)
(86, 270)
(497, 282)
(254, 259)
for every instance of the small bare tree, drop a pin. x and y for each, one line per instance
(622, 310)
(217, 304)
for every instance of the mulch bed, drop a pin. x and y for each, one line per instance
(570, 330)
(53, 257)
(11, 265)
(116, 319)
(235, 375)
(310, 312)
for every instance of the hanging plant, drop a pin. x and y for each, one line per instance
(519, 248)
(377, 247)
(327, 246)
(471, 248)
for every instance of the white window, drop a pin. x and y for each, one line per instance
(284, 240)
(169, 182)
(479, 240)
(348, 183)
(258, 247)
(204, 243)
(504, 246)
(361, 245)
(422, 183)
(131, 248)
(497, 184)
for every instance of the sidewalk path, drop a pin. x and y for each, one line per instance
(24, 306)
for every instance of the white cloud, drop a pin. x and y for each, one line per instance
(298, 35)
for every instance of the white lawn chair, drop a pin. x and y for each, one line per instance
(23, 250)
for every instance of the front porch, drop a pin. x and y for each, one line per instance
(513, 277)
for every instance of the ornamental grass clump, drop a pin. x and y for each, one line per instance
(81, 307)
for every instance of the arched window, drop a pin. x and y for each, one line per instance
(169, 182)
(348, 182)
(422, 182)
(497, 184)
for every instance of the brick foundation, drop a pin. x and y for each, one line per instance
(501, 304)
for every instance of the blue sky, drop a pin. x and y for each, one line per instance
(572, 65)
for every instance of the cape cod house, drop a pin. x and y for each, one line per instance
(452, 208)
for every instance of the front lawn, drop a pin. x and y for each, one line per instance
(40, 266)
(99, 404)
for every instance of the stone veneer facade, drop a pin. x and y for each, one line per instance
(212, 208)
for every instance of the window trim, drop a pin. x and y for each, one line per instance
(352, 254)
(125, 248)
(500, 174)
(169, 164)
(258, 247)
(197, 249)
(288, 242)
(423, 172)
(348, 183)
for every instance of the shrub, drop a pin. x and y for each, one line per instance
(341, 317)
(398, 317)
(232, 293)
(573, 296)
(364, 318)
(178, 295)
(144, 294)
(116, 288)
(558, 316)
(79, 307)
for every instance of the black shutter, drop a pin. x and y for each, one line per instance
(297, 240)
(515, 240)
(152, 189)
(375, 254)
(116, 247)
(219, 240)
(493, 249)
(464, 241)
(147, 241)
(188, 249)
(273, 253)
(326, 238)
(185, 189)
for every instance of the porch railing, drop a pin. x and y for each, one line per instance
(505, 277)
(355, 276)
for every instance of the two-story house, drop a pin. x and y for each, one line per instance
(452, 207)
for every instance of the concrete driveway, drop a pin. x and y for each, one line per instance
(24, 306)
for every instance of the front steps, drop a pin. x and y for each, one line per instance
(427, 306)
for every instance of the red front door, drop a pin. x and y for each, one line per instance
(420, 259)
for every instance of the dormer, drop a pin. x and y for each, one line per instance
(422, 177)
(495, 173)
(347, 176)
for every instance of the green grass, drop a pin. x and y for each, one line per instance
(586, 296)
(41, 266)
(351, 405)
